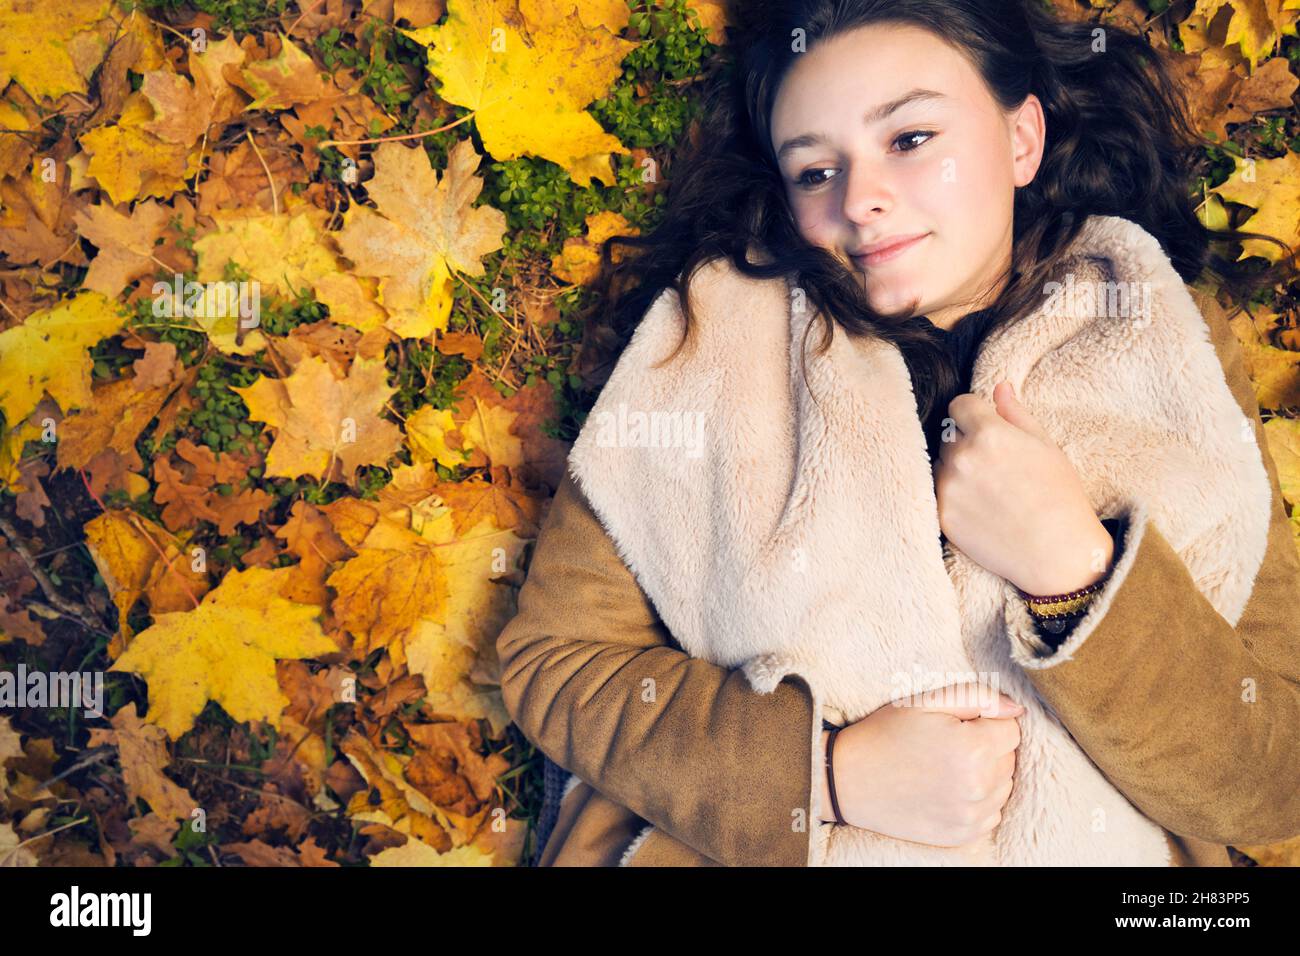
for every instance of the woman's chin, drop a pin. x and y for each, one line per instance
(897, 306)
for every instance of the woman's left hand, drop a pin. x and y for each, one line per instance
(1011, 500)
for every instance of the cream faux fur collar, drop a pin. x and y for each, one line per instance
(780, 537)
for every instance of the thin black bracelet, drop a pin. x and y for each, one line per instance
(830, 774)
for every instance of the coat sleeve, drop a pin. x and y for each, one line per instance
(1194, 720)
(591, 675)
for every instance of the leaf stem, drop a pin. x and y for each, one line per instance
(392, 139)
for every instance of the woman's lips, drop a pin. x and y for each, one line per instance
(893, 252)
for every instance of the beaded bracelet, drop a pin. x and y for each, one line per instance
(1054, 612)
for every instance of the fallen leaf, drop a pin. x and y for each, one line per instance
(47, 353)
(224, 650)
(326, 427)
(529, 70)
(426, 227)
(142, 748)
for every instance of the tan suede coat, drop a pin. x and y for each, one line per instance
(716, 767)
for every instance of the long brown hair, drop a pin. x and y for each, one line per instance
(1119, 142)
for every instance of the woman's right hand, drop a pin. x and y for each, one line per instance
(935, 768)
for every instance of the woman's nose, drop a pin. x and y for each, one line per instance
(867, 195)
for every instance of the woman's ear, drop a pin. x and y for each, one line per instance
(1028, 137)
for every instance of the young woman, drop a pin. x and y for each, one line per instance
(709, 633)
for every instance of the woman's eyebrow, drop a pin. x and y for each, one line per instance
(874, 115)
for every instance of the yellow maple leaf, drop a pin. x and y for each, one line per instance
(474, 561)
(51, 48)
(395, 580)
(122, 555)
(1283, 438)
(426, 226)
(612, 15)
(418, 853)
(1253, 26)
(126, 243)
(455, 651)
(327, 427)
(11, 452)
(1274, 372)
(129, 162)
(208, 70)
(713, 18)
(452, 675)
(1272, 188)
(125, 547)
(285, 80)
(488, 428)
(224, 650)
(153, 52)
(529, 79)
(16, 150)
(47, 353)
(284, 252)
(226, 311)
(351, 300)
(579, 261)
(401, 806)
(426, 434)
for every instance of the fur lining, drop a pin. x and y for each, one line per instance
(569, 784)
(626, 858)
(784, 535)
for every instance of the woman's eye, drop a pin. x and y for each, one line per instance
(910, 134)
(803, 178)
(804, 182)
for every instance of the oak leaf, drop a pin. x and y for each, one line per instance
(195, 493)
(158, 366)
(183, 504)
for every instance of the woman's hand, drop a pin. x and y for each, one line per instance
(935, 769)
(1011, 500)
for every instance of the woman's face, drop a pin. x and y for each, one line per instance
(890, 133)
